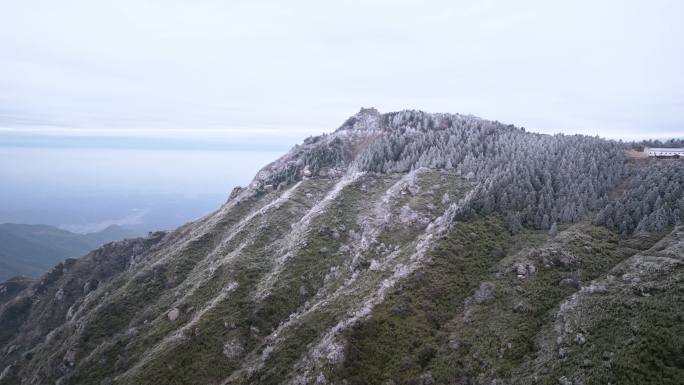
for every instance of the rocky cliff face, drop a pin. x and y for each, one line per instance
(401, 248)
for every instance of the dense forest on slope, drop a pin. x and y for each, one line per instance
(653, 198)
(543, 179)
(402, 248)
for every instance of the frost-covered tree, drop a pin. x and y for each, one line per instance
(545, 178)
(539, 180)
(653, 198)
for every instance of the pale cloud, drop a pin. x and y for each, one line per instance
(301, 67)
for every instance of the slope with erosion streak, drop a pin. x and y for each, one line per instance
(107, 328)
(585, 306)
(342, 262)
(217, 298)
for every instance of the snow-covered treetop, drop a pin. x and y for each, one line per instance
(543, 178)
(369, 119)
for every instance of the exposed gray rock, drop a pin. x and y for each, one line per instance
(485, 293)
(89, 286)
(595, 287)
(454, 342)
(570, 282)
(306, 172)
(426, 379)
(524, 269)
(173, 314)
(445, 198)
(408, 216)
(70, 357)
(233, 349)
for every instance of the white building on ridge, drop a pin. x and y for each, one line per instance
(664, 152)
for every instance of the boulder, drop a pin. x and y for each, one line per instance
(173, 314)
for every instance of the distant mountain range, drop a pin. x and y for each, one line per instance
(31, 250)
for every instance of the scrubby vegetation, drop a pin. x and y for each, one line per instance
(472, 316)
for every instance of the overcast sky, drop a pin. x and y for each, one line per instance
(281, 70)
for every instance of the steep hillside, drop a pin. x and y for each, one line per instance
(31, 250)
(403, 248)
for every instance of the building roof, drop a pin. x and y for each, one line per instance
(661, 149)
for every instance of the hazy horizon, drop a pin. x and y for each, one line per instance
(147, 108)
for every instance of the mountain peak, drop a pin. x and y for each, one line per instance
(367, 119)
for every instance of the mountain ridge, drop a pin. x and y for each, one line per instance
(403, 248)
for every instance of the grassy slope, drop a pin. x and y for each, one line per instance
(404, 334)
(630, 323)
(429, 330)
(247, 320)
(240, 318)
(483, 308)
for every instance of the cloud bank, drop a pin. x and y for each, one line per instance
(298, 68)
